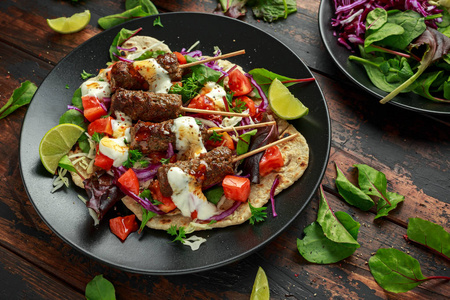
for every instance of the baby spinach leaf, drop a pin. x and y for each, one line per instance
(244, 142)
(430, 235)
(202, 73)
(372, 182)
(76, 99)
(65, 163)
(376, 19)
(424, 84)
(383, 207)
(20, 97)
(113, 20)
(100, 288)
(264, 78)
(396, 271)
(387, 30)
(332, 228)
(119, 39)
(214, 194)
(353, 195)
(73, 116)
(146, 5)
(271, 10)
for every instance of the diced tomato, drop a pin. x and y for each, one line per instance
(226, 141)
(248, 103)
(123, 226)
(180, 57)
(130, 181)
(102, 125)
(92, 108)
(194, 215)
(202, 102)
(271, 160)
(103, 161)
(167, 203)
(239, 83)
(236, 188)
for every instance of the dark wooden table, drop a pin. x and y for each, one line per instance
(413, 151)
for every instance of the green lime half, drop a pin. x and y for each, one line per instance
(56, 143)
(71, 24)
(260, 289)
(283, 103)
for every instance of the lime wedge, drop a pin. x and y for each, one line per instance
(260, 289)
(283, 103)
(72, 24)
(56, 143)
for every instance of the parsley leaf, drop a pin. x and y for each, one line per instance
(134, 156)
(96, 137)
(157, 22)
(85, 75)
(146, 216)
(189, 88)
(179, 233)
(258, 214)
(215, 137)
(239, 106)
(164, 161)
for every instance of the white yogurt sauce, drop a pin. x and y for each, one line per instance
(189, 140)
(157, 77)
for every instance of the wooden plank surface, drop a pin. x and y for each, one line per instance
(412, 150)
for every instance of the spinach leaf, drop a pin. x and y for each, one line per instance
(113, 20)
(383, 207)
(271, 10)
(430, 235)
(424, 83)
(265, 77)
(214, 194)
(333, 229)
(315, 247)
(146, 5)
(202, 73)
(372, 182)
(353, 195)
(73, 116)
(244, 142)
(76, 99)
(100, 288)
(412, 23)
(20, 97)
(65, 163)
(396, 271)
(120, 38)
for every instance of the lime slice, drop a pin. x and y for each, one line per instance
(283, 103)
(260, 289)
(72, 24)
(56, 143)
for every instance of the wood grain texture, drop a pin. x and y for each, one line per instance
(411, 149)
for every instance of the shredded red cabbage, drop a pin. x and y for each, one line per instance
(265, 102)
(272, 193)
(226, 213)
(74, 107)
(123, 58)
(124, 49)
(350, 16)
(107, 102)
(147, 173)
(145, 203)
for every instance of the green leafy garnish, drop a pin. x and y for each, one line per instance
(121, 37)
(96, 137)
(20, 97)
(65, 163)
(157, 22)
(100, 288)
(430, 235)
(189, 88)
(239, 106)
(214, 194)
(76, 99)
(164, 161)
(212, 222)
(150, 54)
(134, 156)
(179, 233)
(244, 142)
(67, 86)
(258, 214)
(264, 78)
(396, 271)
(215, 137)
(134, 9)
(85, 75)
(146, 216)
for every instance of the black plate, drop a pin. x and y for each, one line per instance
(152, 252)
(358, 75)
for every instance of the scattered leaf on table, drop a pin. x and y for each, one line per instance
(430, 235)
(332, 228)
(20, 97)
(352, 194)
(383, 207)
(100, 288)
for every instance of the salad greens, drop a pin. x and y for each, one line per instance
(100, 288)
(268, 10)
(20, 97)
(134, 9)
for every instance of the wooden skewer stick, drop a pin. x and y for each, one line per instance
(271, 123)
(214, 112)
(211, 59)
(238, 158)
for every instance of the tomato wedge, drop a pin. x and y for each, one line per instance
(123, 226)
(236, 188)
(202, 102)
(167, 203)
(130, 181)
(239, 83)
(271, 160)
(180, 57)
(92, 108)
(222, 139)
(248, 104)
(102, 125)
(103, 161)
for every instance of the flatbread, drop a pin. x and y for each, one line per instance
(296, 157)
